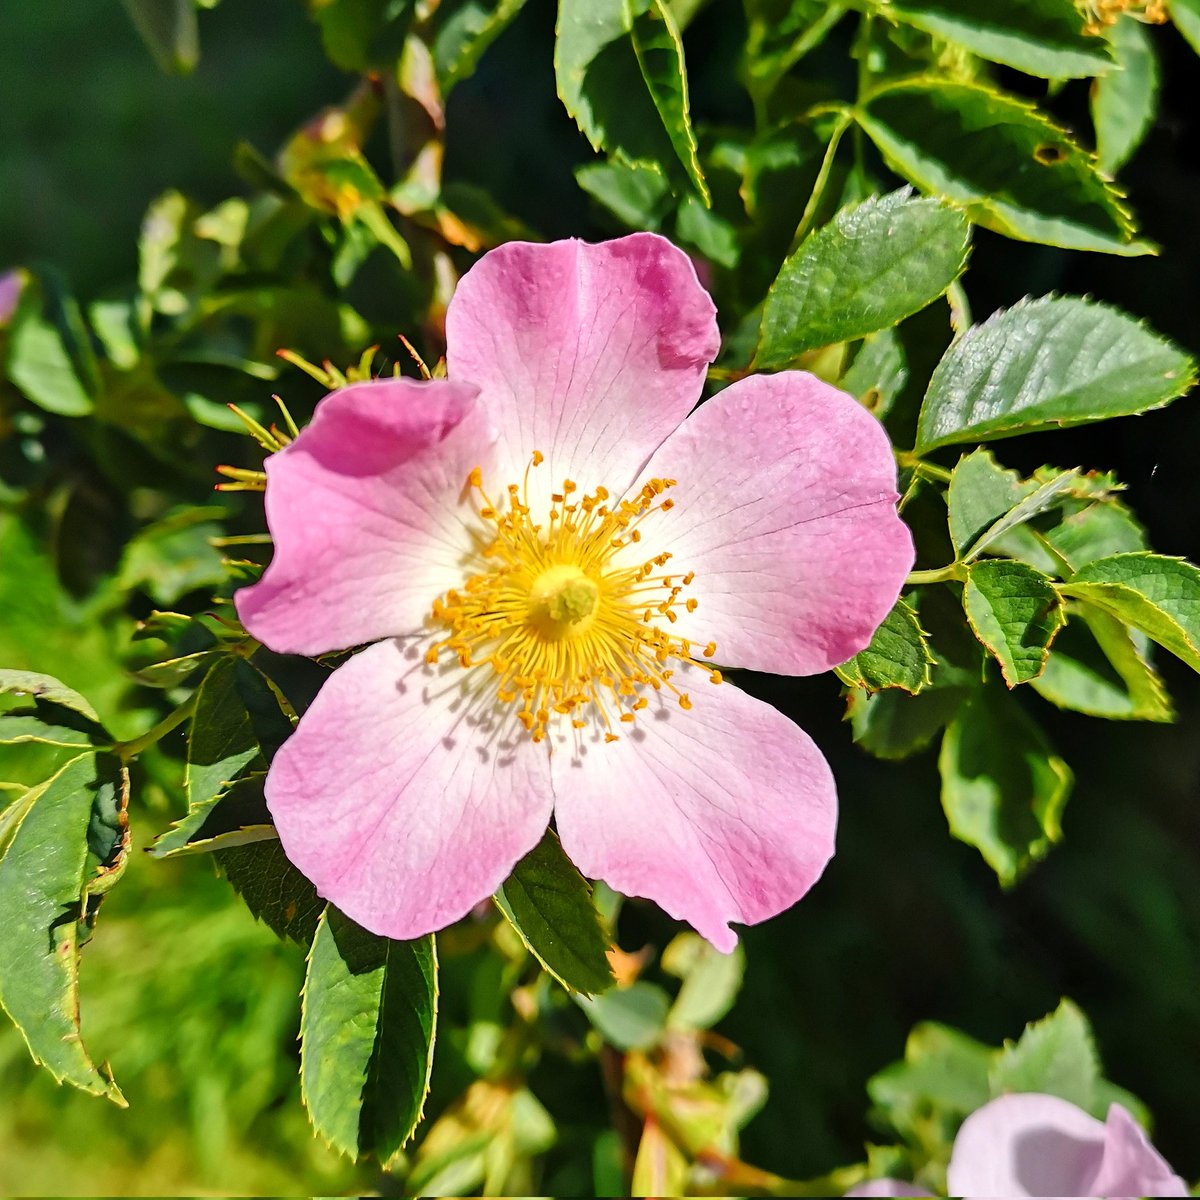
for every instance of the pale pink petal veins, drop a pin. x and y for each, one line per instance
(400, 798)
(785, 510)
(1131, 1166)
(723, 813)
(590, 354)
(367, 509)
(1026, 1144)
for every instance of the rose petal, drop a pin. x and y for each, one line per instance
(367, 508)
(723, 813)
(785, 510)
(1131, 1166)
(887, 1187)
(1026, 1144)
(400, 799)
(590, 354)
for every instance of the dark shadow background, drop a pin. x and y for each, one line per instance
(907, 925)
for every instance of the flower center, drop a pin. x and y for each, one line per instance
(562, 601)
(570, 626)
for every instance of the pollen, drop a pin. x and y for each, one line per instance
(560, 620)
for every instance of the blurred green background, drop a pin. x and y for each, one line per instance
(196, 1006)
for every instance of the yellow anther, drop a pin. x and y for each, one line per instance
(685, 701)
(710, 649)
(567, 632)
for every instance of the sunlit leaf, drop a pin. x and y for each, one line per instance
(1047, 364)
(1010, 168)
(366, 1036)
(873, 265)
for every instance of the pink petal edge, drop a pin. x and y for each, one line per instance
(785, 508)
(590, 354)
(367, 513)
(400, 799)
(723, 813)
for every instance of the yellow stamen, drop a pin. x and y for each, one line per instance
(566, 625)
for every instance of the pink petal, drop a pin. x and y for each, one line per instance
(1026, 1144)
(1131, 1166)
(367, 508)
(724, 813)
(591, 354)
(785, 509)
(399, 797)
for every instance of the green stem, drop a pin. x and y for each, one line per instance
(810, 209)
(131, 749)
(951, 571)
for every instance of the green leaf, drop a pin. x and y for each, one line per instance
(638, 196)
(981, 492)
(1003, 789)
(892, 724)
(709, 234)
(550, 905)
(1089, 531)
(58, 853)
(621, 74)
(1039, 37)
(711, 981)
(366, 1036)
(898, 656)
(873, 265)
(1015, 612)
(1158, 595)
(50, 696)
(1055, 1055)
(1038, 498)
(1125, 99)
(175, 556)
(780, 33)
(50, 725)
(362, 34)
(631, 1018)
(273, 890)
(1186, 16)
(1046, 364)
(464, 29)
(1010, 167)
(943, 1076)
(170, 31)
(239, 809)
(1097, 668)
(39, 364)
(237, 722)
(878, 373)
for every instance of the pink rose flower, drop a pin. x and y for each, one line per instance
(1028, 1144)
(550, 551)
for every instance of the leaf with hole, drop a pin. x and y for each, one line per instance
(1007, 165)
